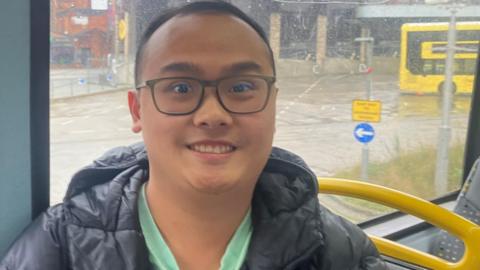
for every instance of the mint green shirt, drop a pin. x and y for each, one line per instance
(162, 258)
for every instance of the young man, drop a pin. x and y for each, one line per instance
(205, 190)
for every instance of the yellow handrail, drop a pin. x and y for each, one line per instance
(464, 229)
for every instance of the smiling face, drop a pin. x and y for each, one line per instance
(210, 150)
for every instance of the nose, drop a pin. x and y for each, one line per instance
(211, 113)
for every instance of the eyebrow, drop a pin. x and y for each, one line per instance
(182, 67)
(236, 68)
(242, 67)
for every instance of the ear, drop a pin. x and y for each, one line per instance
(134, 105)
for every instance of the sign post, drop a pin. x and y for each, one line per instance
(364, 133)
(366, 110)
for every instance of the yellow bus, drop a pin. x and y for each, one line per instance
(423, 53)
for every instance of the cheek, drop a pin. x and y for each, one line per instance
(158, 128)
(268, 120)
(261, 130)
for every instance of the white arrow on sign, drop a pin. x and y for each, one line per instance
(361, 132)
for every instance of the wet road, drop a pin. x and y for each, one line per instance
(319, 126)
(313, 120)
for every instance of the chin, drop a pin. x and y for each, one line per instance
(213, 185)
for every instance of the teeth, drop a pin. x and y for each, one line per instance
(217, 149)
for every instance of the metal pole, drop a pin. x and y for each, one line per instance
(116, 47)
(368, 62)
(126, 49)
(364, 170)
(441, 172)
(365, 32)
(368, 45)
(115, 59)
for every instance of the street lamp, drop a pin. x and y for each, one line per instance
(441, 172)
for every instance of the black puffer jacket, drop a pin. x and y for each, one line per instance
(96, 227)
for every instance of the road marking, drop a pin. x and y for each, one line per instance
(297, 98)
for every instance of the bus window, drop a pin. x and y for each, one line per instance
(440, 67)
(469, 66)
(333, 61)
(428, 67)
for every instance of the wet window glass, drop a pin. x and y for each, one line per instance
(359, 82)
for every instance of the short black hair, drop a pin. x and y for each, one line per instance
(193, 8)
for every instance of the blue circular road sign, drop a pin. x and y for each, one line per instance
(364, 132)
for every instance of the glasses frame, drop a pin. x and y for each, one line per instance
(270, 80)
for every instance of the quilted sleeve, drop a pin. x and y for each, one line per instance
(39, 246)
(347, 246)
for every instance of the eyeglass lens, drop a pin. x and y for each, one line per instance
(237, 94)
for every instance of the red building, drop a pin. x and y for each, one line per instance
(80, 35)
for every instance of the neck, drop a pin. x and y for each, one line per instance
(197, 227)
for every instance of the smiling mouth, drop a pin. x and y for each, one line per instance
(212, 149)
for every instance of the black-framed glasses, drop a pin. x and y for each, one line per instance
(237, 94)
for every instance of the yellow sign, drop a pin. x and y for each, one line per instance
(366, 110)
(122, 29)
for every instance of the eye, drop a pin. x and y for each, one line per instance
(181, 88)
(241, 87)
